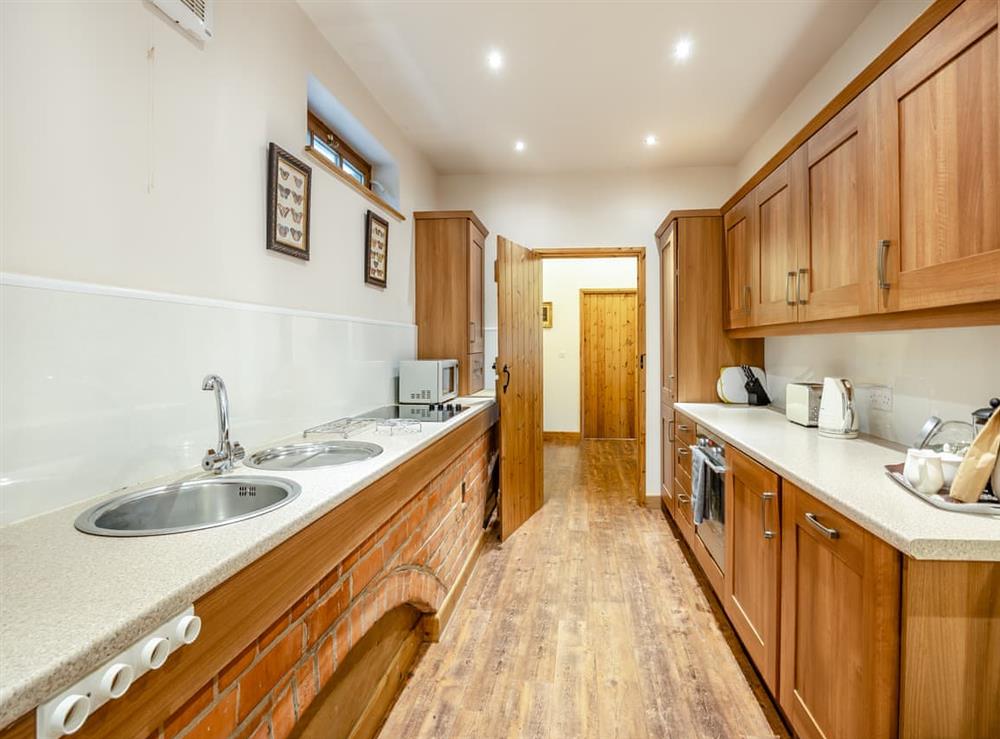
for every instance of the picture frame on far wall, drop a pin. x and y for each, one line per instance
(376, 250)
(289, 181)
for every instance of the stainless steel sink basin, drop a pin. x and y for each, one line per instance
(187, 506)
(313, 454)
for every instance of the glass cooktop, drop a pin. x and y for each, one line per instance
(436, 413)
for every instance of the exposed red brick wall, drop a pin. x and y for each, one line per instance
(414, 558)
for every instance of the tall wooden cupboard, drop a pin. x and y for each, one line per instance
(449, 284)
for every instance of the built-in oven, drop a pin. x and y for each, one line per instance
(710, 521)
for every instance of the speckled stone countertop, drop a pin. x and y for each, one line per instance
(70, 601)
(849, 474)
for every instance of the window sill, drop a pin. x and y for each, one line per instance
(347, 180)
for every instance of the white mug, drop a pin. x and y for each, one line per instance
(949, 467)
(923, 471)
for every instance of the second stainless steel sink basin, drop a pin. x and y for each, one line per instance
(313, 454)
(187, 506)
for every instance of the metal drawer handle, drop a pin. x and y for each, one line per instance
(803, 274)
(827, 532)
(789, 300)
(881, 253)
(683, 451)
(768, 534)
(683, 427)
(683, 498)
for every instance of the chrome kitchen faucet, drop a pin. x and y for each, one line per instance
(226, 454)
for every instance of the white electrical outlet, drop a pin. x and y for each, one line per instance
(880, 398)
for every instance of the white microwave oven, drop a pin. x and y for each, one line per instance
(428, 380)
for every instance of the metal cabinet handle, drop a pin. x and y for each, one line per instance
(683, 498)
(803, 275)
(881, 255)
(670, 431)
(683, 451)
(472, 332)
(683, 427)
(789, 300)
(826, 531)
(764, 498)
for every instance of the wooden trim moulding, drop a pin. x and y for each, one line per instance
(235, 612)
(592, 252)
(923, 25)
(434, 215)
(675, 214)
(970, 314)
(569, 437)
(353, 184)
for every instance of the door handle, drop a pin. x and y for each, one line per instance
(881, 255)
(825, 530)
(789, 299)
(642, 361)
(803, 276)
(506, 382)
(764, 498)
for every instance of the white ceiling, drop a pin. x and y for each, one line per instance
(584, 82)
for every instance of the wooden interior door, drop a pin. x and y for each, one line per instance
(939, 166)
(753, 560)
(775, 261)
(608, 354)
(519, 383)
(741, 236)
(834, 177)
(839, 624)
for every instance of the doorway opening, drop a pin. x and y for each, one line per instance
(594, 339)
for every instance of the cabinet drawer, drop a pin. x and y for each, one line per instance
(838, 534)
(683, 457)
(475, 372)
(684, 430)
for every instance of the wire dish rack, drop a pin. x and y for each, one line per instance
(345, 428)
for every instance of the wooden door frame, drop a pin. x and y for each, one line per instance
(639, 254)
(585, 291)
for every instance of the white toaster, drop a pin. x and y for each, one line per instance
(802, 401)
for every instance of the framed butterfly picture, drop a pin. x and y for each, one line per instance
(288, 183)
(376, 250)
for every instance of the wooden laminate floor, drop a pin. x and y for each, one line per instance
(587, 622)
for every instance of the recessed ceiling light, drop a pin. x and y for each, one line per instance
(494, 60)
(518, 145)
(682, 49)
(651, 140)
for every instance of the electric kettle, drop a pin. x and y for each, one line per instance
(838, 418)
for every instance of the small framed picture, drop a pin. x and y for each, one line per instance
(547, 314)
(288, 184)
(376, 249)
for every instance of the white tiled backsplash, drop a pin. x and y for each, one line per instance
(941, 372)
(100, 388)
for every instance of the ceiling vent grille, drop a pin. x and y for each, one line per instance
(194, 16)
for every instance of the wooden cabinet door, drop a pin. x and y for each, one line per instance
(741, 237)
(834, 179)
(774, 266)
(753, 560)
(840, 596)
(939, 165)
(476, 246)
(668, 315)
(667, 459)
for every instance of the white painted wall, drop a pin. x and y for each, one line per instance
(148, 172)
(579, 210)
(562, 280)
(882, 24)
(943, 372)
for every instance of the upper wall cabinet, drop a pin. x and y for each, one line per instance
(939, 166)
(741, 243)
(834, 181)
(892, 205)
